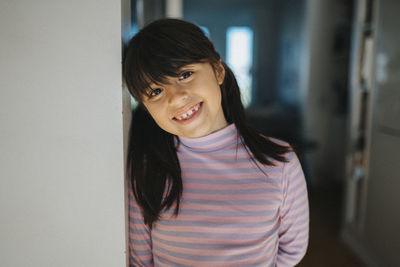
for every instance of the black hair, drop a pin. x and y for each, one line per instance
(159, 51)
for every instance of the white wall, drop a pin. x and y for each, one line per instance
(61, 140)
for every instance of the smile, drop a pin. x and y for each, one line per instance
(189, 114)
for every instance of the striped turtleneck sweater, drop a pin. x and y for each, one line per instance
(231, 212)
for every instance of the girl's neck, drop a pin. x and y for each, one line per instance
(214, 141)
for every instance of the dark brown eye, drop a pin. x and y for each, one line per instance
(155, 92)
(185, 75)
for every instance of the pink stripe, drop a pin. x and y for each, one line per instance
(204, 241)
(226, 197)
(193, 206)
(139, 237)
(243, 219)
(297, 173)
(282, 262)
(213, 230)
(241, 154)
(135, 214)
(140, 247)
(295, 240)
(178, 260)
(294, 226)
(143, 258)
(231, 176)
(254, 261)
(162, 264)
(224, 187)
(204, 262)
(302, 199)
(220, 166)
(215, 252)
(211, 239)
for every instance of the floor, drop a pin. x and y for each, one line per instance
(325, 247)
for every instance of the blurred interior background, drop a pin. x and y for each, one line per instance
(321, 74)
(324, 76)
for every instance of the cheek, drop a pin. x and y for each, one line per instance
(158, 116)
(217, 97)
(155, 112)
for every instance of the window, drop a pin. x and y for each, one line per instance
(239, 55)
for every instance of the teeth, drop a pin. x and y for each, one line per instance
(189, 113)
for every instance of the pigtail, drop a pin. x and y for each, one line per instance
(154, 166)
(258, 146)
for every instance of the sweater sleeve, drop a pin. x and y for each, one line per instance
(294, 214)
(139, 239)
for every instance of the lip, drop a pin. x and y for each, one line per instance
(185, 121)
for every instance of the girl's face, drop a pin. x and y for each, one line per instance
(189, 105)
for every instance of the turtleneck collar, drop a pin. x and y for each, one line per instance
(212, 142)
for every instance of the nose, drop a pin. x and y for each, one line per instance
(178, 96)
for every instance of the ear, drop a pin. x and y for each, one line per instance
(220, 72)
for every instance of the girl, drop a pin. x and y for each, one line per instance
(204, 188)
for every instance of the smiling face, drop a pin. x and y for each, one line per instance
(189, 105)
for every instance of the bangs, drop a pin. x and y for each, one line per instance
(150, 70)
(160, 50)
